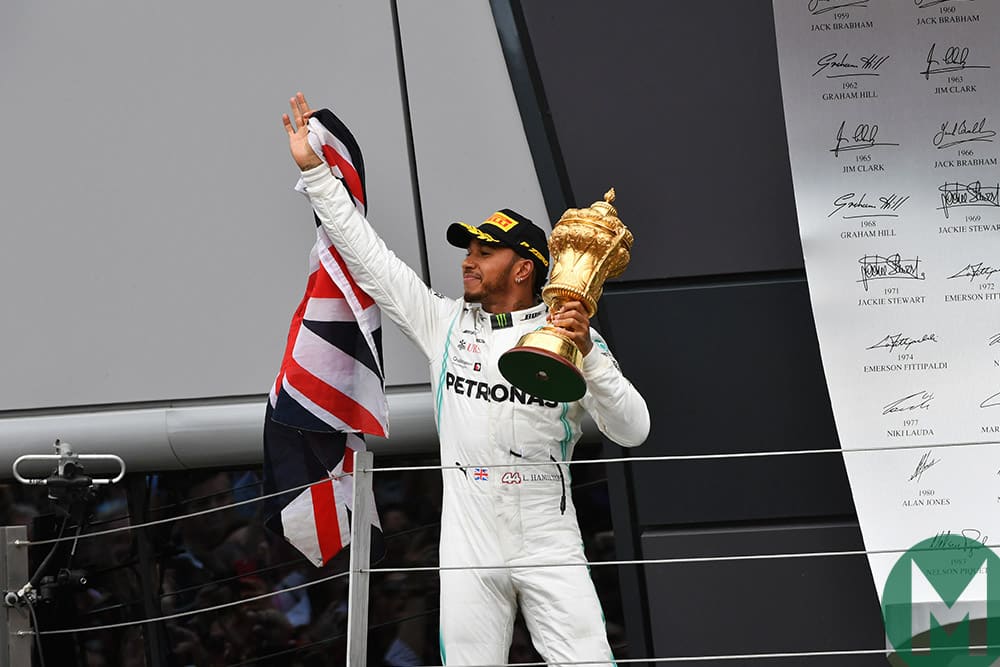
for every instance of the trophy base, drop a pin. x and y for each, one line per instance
(545, 365)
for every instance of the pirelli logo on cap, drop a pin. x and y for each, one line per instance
(502, 221)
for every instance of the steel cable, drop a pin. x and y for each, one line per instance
(520, 464)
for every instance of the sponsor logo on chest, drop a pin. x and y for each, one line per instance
(492, 393)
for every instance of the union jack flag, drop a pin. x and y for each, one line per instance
(481, 474)
(331, 377)
(330, 385)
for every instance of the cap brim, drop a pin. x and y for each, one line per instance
(460, 235)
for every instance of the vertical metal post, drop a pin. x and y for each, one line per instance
(15, 649)
(361, 544)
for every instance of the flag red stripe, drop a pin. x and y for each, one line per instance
(365, 300)
(325, 515)
(348, 461)
(351, 177)
(325, 288)
(332, 400)
(293, 331)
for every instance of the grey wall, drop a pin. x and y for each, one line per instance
(471, 154)
(151, 247)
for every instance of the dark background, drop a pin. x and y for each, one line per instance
(678, 105)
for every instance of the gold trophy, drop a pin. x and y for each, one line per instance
(588, 246)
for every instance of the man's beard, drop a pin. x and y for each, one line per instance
(489, 288)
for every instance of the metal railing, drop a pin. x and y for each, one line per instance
(15, 644)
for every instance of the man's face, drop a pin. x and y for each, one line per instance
(487, 271)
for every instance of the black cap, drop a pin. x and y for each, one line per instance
(511, 229)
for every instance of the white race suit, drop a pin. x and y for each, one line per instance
(513, 517)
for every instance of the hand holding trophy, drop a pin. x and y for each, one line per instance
(588, 246)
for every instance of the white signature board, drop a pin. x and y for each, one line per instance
(892, 109)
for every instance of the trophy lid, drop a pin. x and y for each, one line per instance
(606, 205)
(601, 213)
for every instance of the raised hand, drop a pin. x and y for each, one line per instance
(298, 133)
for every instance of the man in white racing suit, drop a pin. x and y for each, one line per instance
(495, 511)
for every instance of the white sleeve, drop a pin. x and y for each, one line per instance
(616, 406)
(394, 286)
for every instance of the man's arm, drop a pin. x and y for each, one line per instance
(616, 406)
(394, 286)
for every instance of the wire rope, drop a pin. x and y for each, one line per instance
(190, 612)
(519, 464)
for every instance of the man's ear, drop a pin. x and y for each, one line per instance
(526, 270)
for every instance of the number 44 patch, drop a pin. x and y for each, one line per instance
(511, 478)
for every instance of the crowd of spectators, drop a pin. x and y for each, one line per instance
(225, 556)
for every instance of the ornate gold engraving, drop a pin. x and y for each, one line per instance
(588, 246)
